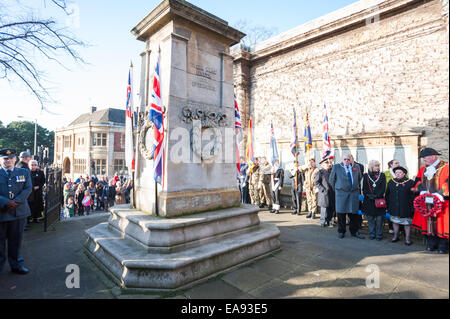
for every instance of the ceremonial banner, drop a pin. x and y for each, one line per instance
(307, 134)
(326, 144)
(295, 150)
(249, 149)
(273, 144)
(129, 148)
(238, 129)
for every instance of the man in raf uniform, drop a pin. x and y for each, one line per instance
(15, 187)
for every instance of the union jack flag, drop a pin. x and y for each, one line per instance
(237, 122)
(238, 128)
(157, 117)
(129, 149)
(326, 144)
(295, 150)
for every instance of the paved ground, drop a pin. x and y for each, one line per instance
(313, 263)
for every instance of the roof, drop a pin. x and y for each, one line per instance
(105, 116)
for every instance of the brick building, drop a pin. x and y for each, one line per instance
(380, 66)
(98, 136)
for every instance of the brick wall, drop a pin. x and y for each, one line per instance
(117, 145)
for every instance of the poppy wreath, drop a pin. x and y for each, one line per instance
(421, 206)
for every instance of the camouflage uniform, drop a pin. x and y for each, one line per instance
(310, 190)
(265, 178)
(253, 185)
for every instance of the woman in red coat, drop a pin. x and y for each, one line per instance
(433, 179)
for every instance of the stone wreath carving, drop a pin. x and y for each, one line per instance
(205, 153)
(145, 125)
(209, 119)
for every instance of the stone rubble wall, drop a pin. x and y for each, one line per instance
(386, 77)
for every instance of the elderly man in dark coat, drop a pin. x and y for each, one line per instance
(325, 197)
(345, 180)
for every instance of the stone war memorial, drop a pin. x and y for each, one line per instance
(194, 227)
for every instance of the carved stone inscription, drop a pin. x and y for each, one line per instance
(205, 76)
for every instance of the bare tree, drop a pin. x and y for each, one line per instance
(254, 33)
(27, 42)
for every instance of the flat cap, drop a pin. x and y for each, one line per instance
(25, 154)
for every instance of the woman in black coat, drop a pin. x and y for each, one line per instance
(400, 203)
(36, 199)
(374, 187)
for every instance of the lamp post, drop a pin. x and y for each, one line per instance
(35, 133)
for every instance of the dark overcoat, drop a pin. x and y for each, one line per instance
(325, 196)
(400, 199)
(371, 193)
(36, 199)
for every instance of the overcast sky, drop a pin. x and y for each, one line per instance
(105, 26)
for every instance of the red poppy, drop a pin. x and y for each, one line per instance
(354, 168)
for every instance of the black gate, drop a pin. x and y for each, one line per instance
(53, 195)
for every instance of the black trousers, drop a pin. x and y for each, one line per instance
(245, 196)
(438, 242)
(296, 200)
(354, 223)
(11, 232)
(276, 197)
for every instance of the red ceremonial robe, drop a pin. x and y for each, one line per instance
(439, 184)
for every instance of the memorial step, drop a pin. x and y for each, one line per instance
(133, 267)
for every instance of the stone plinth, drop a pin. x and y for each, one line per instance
(141, 251)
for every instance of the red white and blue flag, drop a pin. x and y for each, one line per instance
(157, 117)
(129, 148)
(326, 144)
(238, 130)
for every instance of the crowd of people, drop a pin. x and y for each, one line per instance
(342, 193)
(90, 193)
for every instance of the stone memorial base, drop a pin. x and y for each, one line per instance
(143, 252)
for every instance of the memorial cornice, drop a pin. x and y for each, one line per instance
(170, 9)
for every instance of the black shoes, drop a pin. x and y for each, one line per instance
(394, 240)
(21, 270)
(358, 235)
(341, 235)
(431, 248)
(309, 215)
(441, 251)
(294, 213)
(408, 243)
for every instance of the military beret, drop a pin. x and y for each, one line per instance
(7, 152)
(427, 152)
(401, 168)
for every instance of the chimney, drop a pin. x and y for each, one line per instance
(93, 109)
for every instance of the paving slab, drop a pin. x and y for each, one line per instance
(246, 279)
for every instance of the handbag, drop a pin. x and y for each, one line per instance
(380, 203)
